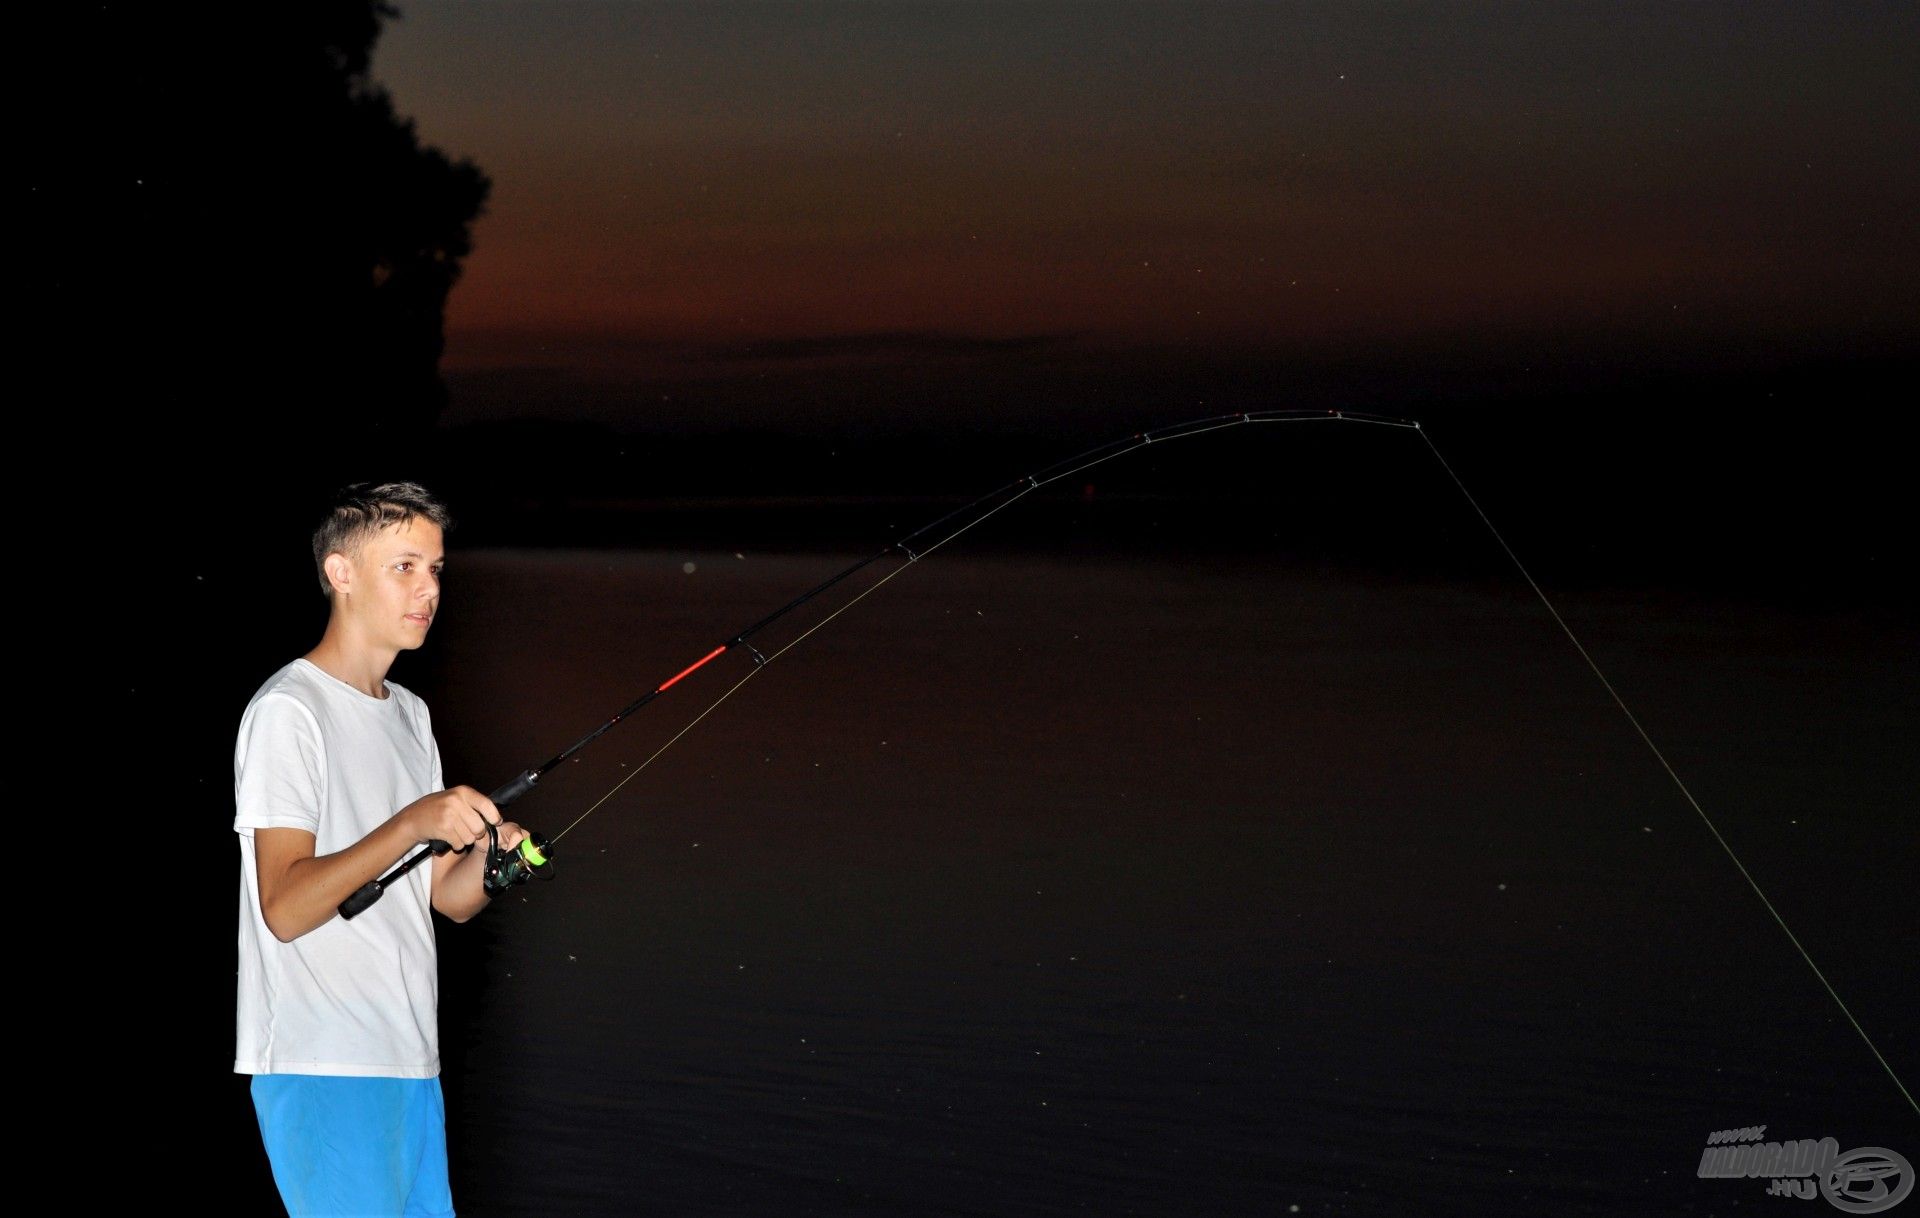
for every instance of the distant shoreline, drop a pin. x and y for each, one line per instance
(1759, 569)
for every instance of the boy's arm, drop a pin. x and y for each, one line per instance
(300, 891)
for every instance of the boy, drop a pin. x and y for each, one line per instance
(336, 778)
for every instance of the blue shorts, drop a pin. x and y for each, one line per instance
(355, 1147)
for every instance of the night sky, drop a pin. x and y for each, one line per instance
(693, 202)
(1647, 271)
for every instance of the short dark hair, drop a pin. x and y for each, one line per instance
(363, 509)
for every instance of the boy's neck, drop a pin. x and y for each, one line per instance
(363, 668)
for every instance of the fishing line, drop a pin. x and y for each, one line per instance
(1671, 772)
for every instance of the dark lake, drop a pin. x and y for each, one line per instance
(1044, 885)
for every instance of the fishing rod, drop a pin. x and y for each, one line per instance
(533, 856)
(504, 869)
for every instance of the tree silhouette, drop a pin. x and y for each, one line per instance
(236, 260)
(239, 252)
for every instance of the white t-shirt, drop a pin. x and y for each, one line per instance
(350, 997)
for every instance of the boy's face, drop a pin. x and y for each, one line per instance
(393, 588)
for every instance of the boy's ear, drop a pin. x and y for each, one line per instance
(339, 572)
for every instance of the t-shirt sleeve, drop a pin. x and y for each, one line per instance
(279, 767)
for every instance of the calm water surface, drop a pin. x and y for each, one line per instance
(1098, 887)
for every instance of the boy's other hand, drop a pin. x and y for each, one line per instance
(458, 816)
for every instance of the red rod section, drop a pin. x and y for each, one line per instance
(689, 668)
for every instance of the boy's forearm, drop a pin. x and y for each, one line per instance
(308, 891)
(457, 891)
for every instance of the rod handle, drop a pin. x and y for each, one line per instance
(368, 893)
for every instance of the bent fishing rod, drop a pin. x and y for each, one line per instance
(504, 869)
(532, 857)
